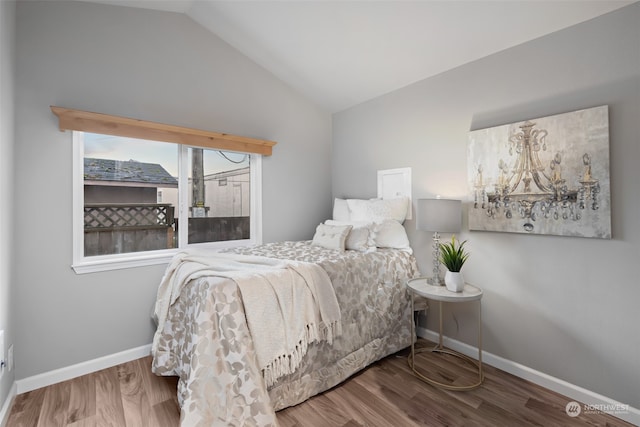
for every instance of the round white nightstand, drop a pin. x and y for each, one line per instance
(420, 287)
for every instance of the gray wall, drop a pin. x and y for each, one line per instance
(565, 306)
(150, 65)
(7, 63)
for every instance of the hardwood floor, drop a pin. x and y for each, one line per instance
(126, 395)
(385, 394)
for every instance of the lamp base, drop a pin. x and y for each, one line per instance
(435, 281)
(435, 274)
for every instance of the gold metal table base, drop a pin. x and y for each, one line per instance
(439, 348)
(443, 350)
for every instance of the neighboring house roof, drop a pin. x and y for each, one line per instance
(129, 171)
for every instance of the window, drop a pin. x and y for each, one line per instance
(138, 201)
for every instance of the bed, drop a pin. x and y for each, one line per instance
(209, 332)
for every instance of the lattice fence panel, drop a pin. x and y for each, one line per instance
(124, 216)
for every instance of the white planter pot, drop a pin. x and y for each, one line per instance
(454, 281)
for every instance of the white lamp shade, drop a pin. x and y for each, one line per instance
(439, 215)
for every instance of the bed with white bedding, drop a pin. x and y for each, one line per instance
(230, 364)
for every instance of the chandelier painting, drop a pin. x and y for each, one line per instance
(542, 176)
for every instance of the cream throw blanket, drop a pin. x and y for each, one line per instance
(288, 304)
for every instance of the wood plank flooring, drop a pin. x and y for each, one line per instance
(385, 394)
(127, 395)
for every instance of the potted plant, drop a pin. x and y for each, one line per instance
(453, 256)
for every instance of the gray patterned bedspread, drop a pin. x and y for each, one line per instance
(206, 343)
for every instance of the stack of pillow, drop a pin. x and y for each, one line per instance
(365, 225)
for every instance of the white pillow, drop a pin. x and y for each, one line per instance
(391, 234)
(378, 210)
(331, 236)
(340, 210)
(360, 237)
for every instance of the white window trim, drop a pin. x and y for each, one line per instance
(83, 265)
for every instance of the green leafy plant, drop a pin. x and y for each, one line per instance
(453, 256)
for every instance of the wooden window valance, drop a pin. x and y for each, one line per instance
(121, 126)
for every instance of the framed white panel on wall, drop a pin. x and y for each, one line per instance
(394, 183)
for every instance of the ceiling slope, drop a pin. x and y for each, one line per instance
(342, 53)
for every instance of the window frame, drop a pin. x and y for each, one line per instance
(82, 264)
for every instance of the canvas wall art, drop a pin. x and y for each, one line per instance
(548, 175)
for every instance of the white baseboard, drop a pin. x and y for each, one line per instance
(593, 401)
(64, 374)
(6, 407)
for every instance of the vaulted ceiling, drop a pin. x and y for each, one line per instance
(342, 53)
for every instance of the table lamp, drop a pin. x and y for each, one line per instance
(440, 216)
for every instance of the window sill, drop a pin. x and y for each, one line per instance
(98, 265)
(107, 263)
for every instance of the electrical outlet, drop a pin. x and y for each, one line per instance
(3, 362)
(10, 358)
